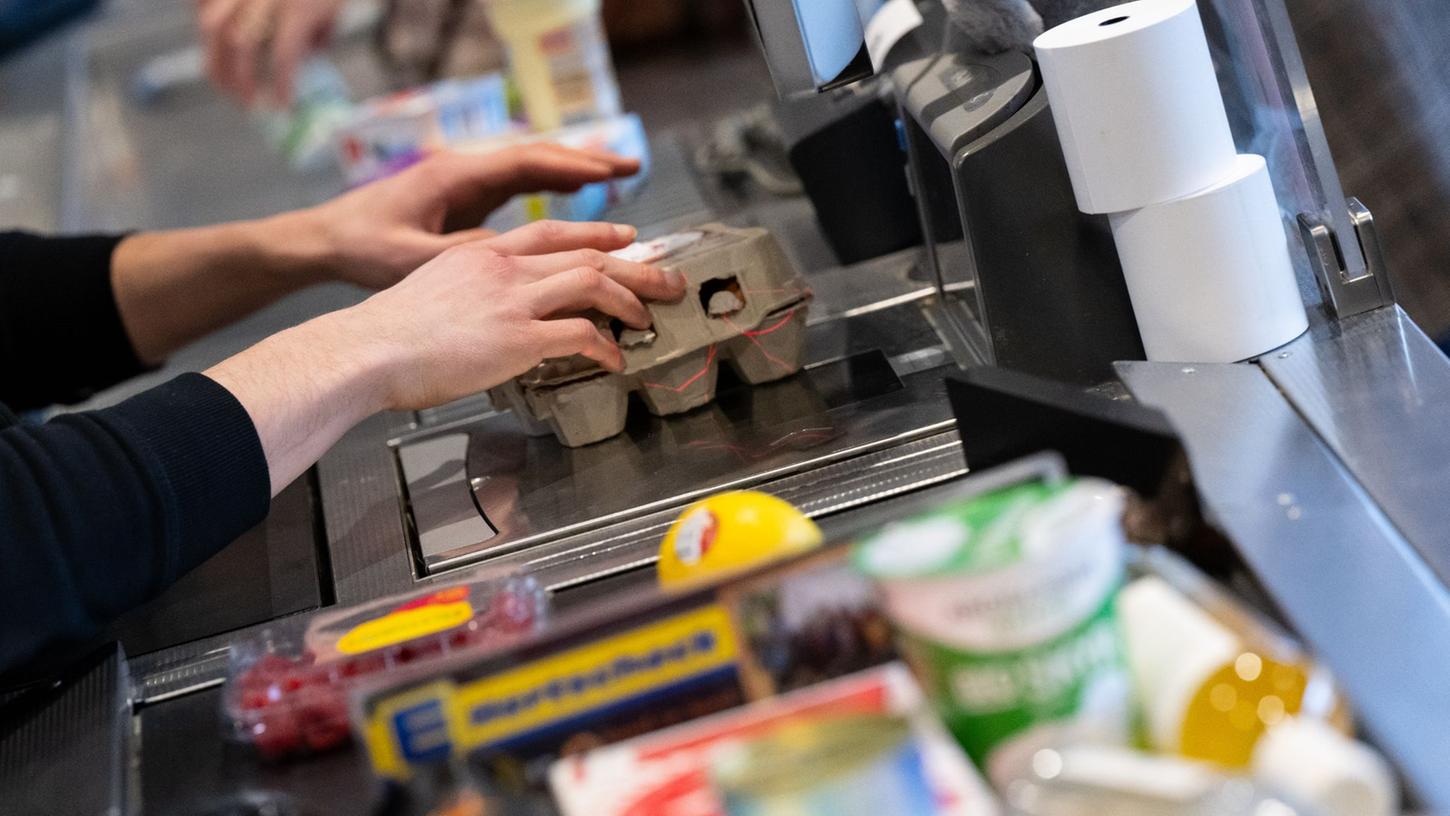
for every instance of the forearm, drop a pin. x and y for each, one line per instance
(173, 287)
(307, 386)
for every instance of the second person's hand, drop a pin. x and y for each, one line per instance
(376, 234)
(246, 39)
(172, 287)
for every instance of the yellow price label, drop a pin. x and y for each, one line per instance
(404, 625)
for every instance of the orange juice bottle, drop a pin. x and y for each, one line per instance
(1236, 705)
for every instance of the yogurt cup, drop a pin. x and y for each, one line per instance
(1005, 606)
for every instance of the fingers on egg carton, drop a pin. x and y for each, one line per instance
(746, 307)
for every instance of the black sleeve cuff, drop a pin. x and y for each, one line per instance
(206, 451)
(60, 330)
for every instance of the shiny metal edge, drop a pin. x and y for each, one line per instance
(1349, 583)
(799, 472)
(1367, 234)
(934, 465)
(361, 509)
(1377, 391)
(870, 471)
(173, 692)
(881, 305)
(586, 557)
(181, 670)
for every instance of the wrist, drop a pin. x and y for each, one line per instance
(368, 363)
(307, 386)
(297, 247)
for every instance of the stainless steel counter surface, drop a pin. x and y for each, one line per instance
(1375, 389)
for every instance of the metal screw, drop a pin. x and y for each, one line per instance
(1284, 355)
(1189, 369)
(1294, 513)
(1286, 499)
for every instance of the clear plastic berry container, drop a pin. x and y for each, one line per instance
(287, 687)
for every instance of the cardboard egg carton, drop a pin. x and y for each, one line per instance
(745, 306)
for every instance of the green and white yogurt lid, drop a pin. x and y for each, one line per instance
(987, 532)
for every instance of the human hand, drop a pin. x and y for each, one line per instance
(377, 234)
(237, 34)
(484, 312)
(477, 315)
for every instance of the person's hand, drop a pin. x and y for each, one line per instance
(175, 286)
(242, 38)
(474, 317)
(378, 233)
(485, 312)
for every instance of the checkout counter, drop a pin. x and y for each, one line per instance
(1324, 462)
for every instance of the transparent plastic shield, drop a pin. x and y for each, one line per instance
(1273, 113)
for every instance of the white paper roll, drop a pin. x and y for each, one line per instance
(1138, 111)
(1209, 274)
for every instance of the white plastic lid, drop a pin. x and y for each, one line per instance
(1338, 776)
(1173, 648)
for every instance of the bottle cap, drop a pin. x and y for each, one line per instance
(1317, 765)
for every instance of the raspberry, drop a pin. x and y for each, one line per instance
(322, 714)
(277, 734)
(364, 664)
(273, 666)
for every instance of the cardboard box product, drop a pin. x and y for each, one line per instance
(745, 306)
(668, 771)
(628, 668)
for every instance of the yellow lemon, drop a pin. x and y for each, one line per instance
(731, 531)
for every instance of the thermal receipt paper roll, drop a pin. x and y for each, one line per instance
(1209, 275)
(1138, 110)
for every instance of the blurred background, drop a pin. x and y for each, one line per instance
(107, 122)
(1381, 75)
(87, 142)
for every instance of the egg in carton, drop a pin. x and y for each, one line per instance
(745, 306)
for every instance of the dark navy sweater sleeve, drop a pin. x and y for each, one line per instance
(100, 510)
(61, 337)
